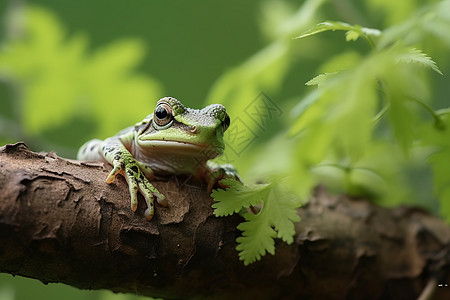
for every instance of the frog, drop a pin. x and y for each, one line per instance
(173, 140)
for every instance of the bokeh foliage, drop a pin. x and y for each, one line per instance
(372, 121)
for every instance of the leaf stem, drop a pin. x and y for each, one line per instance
(443, 111)
(436, 116)
(366, 37)
(381, 114)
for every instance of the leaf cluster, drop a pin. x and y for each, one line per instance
(275, 219)
(382, 99)
(361, 128)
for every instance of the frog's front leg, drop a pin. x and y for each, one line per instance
(216, 172)
(135, 173)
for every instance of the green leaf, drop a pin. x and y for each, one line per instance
(325, 26)
(257, 238)
(353, 31)
(341, 101)
(276, 218)
(321, 78)
(237, 196)
(282, 208)
(352, 35)
(439, 140)
(413, 55)
(430, 21)
(440, 161)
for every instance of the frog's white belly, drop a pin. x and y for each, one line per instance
(170, 157)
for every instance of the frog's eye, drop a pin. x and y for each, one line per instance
(226, 122)
(163, 114)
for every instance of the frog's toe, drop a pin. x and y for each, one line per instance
(133, 187)
(149, 213)
(133, 193)
(222, 172)
(148, 196)
(148, 172)
(162, 200)
(112, 175)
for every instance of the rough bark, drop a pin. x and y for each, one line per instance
(60, 222)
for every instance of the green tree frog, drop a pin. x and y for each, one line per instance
(173, 140)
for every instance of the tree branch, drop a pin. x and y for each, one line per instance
(60, 222)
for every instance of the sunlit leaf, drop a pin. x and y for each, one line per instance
(352, 34)
(325, 26)
(413, 55)
(320, 78)
(257, 238)
(276, 218)
(238, 196)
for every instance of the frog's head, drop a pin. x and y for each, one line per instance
(174, 127)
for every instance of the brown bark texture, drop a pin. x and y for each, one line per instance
(60, 222)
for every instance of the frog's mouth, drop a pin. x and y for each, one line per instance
(182, 147)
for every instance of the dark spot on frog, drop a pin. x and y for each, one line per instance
(135, 169)
(130, 173)
(117, 157)
(92, 148)
(107, 149)
(141, 177)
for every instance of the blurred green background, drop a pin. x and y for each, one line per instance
(75, 70)
(176, 48)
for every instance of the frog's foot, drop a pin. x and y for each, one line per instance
(219, 172)
(134, 171)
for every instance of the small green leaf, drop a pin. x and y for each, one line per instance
(353, 31)
(237, 196)
(276, 218)
(321, 78)
(283, 214)
(325, 26)
(352, 35)
(257, 238)
(440, 160)
(413, 55)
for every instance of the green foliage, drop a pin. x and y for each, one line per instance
(439, 140)
(275, 219)
(412, 55)
(266, 71)
(46, 65)
(360, 130)
(238, 196)
(22, 288)
(347, 101)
